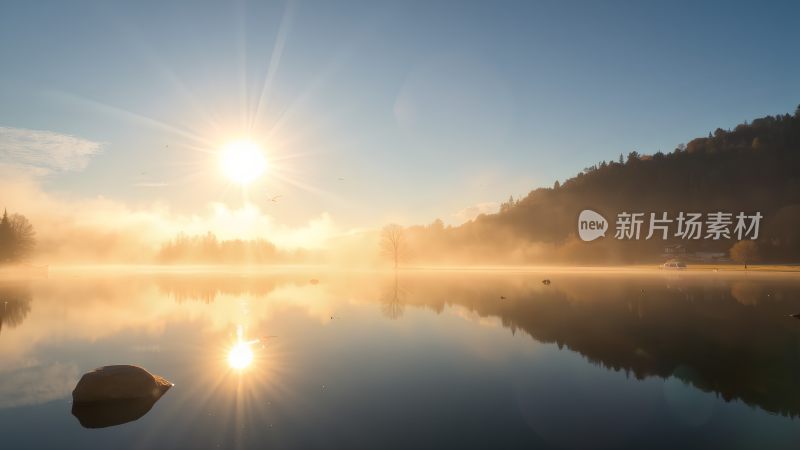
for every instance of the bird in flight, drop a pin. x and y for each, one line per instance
(275, 198)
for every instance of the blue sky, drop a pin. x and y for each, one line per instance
(381, 111)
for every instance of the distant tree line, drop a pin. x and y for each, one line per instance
(209, 249)
(17, 238)
(753, 167)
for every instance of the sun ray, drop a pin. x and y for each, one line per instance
(274, 62)
(103, 107)
(201, 149)
(135, 39)
(305, 186)
(241, 47)
(318, 82)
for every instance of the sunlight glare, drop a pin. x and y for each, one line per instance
(240, 356)
(242, 161)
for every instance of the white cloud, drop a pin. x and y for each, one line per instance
(37, 384)
(474, 211)
(42, 152)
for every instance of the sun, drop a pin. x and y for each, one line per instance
(242, 162)
(240, 356)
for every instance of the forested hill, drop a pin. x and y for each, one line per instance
(753, 168)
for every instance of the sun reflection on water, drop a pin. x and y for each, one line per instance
(240, 356)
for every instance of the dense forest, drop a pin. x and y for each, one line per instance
(754, 167)
(209, 249)
(17, 238)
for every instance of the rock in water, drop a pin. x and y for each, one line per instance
(112, 383)
(111, 413)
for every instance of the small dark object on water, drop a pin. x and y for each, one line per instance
(313, 281)
(112, 413)
(795, 316)
(546, 282)
(118, 383)
(113, 395)
(502, 297)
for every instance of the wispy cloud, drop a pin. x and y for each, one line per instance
(37, 384)
(42, 152)
(151, 184)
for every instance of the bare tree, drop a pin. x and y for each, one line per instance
(393, 242)
(744, 252)
(17, 237)
(24, 236)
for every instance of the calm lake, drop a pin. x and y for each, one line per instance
(470, 359)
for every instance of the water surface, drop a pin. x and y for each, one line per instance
(421, 360)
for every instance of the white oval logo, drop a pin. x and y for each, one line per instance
(591, 225)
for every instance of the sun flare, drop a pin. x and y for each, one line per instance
(242, 161)
(240, 356)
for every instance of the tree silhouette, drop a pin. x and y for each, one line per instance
(17, 238)
(752, 168)
(5, 238)
(208, 248)
(393, 242)
(744, 252)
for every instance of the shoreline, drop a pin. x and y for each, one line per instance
(300, 268)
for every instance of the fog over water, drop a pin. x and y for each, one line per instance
(419, 358)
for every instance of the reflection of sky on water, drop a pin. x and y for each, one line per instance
(438, 359)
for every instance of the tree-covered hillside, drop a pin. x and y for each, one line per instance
(753, 168)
